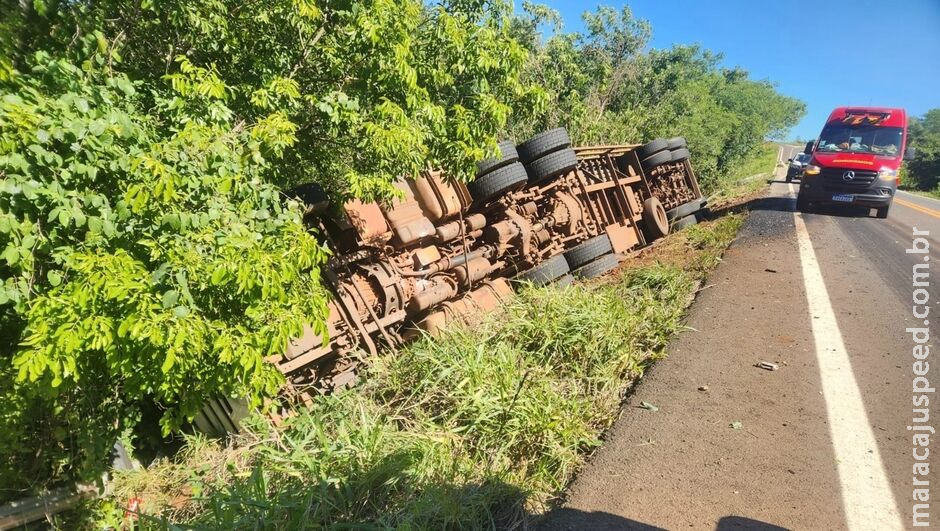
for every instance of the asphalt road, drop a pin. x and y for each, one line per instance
(820, 443)
(787, 151)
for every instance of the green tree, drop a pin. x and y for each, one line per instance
(923, 173)
(605, 88)
(148, 254)
(144, 256)
(373, 89)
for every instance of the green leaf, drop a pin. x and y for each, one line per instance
(94, 225)
(108, 228)
(78, 216)
(184, 286)
(12, 255)
(180, 312)
(218, 276)
(170, 298)
(54, 278)
(168, 362)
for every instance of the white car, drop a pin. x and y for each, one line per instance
(797, 165)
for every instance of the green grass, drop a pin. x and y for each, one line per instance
(748, 176)
(476, 429)
(934, 194)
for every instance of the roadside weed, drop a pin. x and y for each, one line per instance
(477, 428)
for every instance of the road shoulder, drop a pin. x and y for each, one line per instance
(730, 444)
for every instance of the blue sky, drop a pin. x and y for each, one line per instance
(827, 53)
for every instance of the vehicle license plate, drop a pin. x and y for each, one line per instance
(843, 198)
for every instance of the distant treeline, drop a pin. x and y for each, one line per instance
(923, 173)
(605, 87)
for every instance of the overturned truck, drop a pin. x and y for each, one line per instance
(543, 212)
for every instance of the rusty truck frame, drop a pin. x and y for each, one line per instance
(542, 212)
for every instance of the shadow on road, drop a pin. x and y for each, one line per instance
(740, 522)
(565, 518)
(841, 211)
(780, 204)
(788, 204)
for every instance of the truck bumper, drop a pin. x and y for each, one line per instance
(875, 196)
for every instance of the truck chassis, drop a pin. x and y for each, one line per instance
(544, 212)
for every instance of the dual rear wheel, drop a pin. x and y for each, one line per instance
(540, 159)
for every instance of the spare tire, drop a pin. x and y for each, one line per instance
(654, 220)
(507, 156)
(495, 183)
(552, 165)
(676, 142)
(542, 144)
(597, 267)
(545, 272)
(680, 154)
(656, 159)
(652, 147)
(588, 250)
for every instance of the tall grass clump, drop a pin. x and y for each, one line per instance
(473, 429)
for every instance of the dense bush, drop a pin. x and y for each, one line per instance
(372, 89)
(923, 173)
(464, 432)
(144, 255)
(147, 254)
(473, 430)
(606, 88)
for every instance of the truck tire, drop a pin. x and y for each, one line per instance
(497, 182)
(588, 250)
(682, 223)
(564, 281)
(802, 204)
(597, 267)
(542, 144)
(545, 272)
(507, 156)
(655, 222)
(882, 212)
(686, 209)
(651, 148)
(676, 142)
(552, 165)
(678, 155)
(656, 159)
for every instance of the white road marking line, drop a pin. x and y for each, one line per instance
(866, 494)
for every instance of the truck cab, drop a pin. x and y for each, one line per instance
(856, 159)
